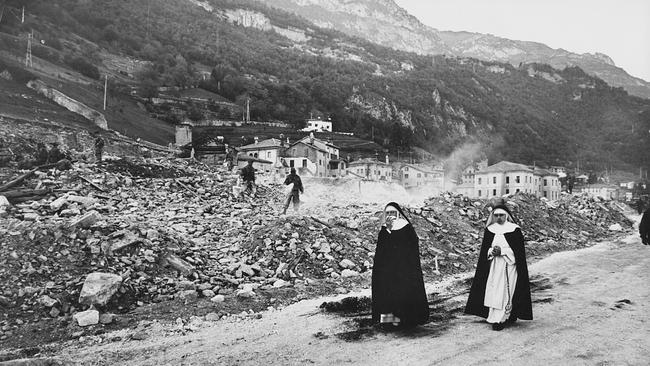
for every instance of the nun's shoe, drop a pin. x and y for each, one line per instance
(498, 326)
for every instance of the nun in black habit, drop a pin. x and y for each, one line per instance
(500, 290)
(398, 295)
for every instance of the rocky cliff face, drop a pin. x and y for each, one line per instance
(385, 23)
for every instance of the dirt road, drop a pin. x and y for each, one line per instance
(591, 307)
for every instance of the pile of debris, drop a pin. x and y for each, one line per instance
(92, 240)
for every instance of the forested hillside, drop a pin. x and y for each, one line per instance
(291, 69)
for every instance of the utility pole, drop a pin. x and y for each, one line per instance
(105, 89)
(148, 12)
(28, 55)
(23, 17)
(248, 109)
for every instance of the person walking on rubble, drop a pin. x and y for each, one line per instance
(398, 295)
(248, 178)
(99, 147)
(644, 227)
(500, 290)
(296, 190)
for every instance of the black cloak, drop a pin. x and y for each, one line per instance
(521, 303)
(397, 283)
(644, 227)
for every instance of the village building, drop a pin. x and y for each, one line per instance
(421, 175)
(559, 170)
(371, 169)
(548, 184)
(604, 191)
(466, 180)
(314, 157)
(272, 151)
(509, 178)
(318, 125)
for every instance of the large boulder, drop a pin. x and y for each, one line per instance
(98, 288)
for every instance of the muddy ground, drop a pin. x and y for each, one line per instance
(590, 307)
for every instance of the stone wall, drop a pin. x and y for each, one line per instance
(69, 103)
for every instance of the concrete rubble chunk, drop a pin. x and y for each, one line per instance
(58, 203)
(47, 301)
(86, 318)
(87, 220)
(107, 318)
(4, 202)
(128, 240)
(218, 298)
(349, 273)
(179, 264)
(98, 288)
(615, 227)
(86, 201)
(346, 263)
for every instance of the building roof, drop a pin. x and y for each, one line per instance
(422, 168)
(269, 144)
(245, 157)
(505, 166)
(600, 185)
(544, 172)
(368, 161)
(318, 142)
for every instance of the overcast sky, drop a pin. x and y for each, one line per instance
(617, 28)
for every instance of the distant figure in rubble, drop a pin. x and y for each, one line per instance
(229, 159)
(41, 153)
(570, 182)
(500, 290)
(398, 295)
(99, 147)
(644, 227)
(296, 190)
(248, 178)
(54, 154)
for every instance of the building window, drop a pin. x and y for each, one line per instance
(268, 154)
(517, 191)
(320, 162)
(507, 191)
(291, 163)
(479, 193)
(544, 193)
(419, 175)
(517, 179)
(479, 182)
(494, 192)
(406, 175)
(294, 151)
(545, 184)
(304, 163)
(494, 180)
(406, 169)
(507, 180)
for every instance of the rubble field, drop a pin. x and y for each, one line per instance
(88, 248)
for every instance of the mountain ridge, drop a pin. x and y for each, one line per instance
(372, 20)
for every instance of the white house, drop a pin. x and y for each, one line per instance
(318, 125)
